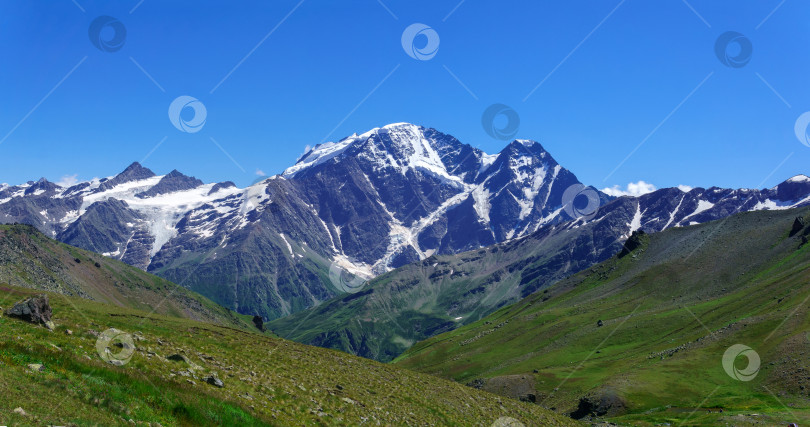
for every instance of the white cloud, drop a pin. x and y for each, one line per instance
(68, 181)
(260, 172)
(634, 189)
(685, 188)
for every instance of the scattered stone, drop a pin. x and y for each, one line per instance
(214, 380)
(476, 384)
(68, 332)
(124, 345)
(36, 367)
(93, 332)
(349, 401)
(34, 310)
(178, 358)
(20, 411)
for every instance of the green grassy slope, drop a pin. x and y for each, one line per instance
(669, 311)
(30, 259)
(441, 293)
(267, 381)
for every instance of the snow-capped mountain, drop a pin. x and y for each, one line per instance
(368, 203)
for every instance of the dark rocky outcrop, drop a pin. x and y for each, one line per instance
(258, 321)
(798, 224)
(605, 403)
(632, 243)
(34, 310)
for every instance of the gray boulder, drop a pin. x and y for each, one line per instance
(214, 380)
(34, 310)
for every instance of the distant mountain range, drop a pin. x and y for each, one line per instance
(365, 205)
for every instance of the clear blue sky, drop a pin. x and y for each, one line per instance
(604, 89)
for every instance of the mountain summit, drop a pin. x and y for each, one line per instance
(365, 204)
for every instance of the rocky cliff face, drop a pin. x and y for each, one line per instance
(366, 204)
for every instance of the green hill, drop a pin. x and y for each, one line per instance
(440, 293)
(641, 338)
(30, 259)
(59, 378)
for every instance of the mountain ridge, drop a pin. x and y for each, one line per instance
(366, 204)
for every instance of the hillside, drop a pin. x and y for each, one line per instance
(58, 378)
(30, 259)
(641, 338)
(443, 292)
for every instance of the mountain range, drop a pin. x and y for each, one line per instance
(362, 206)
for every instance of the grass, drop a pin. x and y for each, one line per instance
(669, 312)
(32, 260)
(268, 381)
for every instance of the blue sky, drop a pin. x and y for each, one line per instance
(591, 80)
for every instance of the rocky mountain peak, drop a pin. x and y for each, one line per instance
(793, 189)
(172, 182)
(133, 172)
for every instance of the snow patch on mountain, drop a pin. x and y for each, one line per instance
(702, 206)
(674, 212)
(769, 204)
(635, 223)
(320, 154)
(799, 178)
(161, 212)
